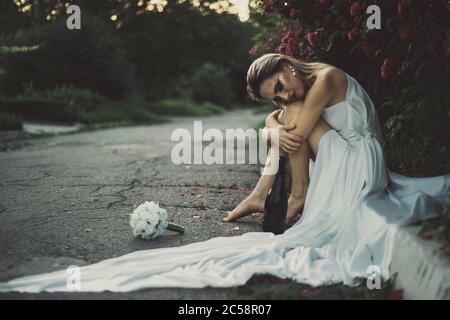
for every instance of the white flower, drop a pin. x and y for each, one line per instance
(149, 221)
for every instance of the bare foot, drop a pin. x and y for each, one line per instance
(246, 207)
(295, 208)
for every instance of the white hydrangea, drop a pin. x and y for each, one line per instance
(148, 220)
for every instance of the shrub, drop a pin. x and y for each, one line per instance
(166, 46)
(9, 121)
(69, 105)
(93, 57)
(407, 53)
(61, 104)
(84, 99)
(30, 109)
(211, 83)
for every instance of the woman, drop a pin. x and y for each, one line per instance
(349, 218)
(286, 82)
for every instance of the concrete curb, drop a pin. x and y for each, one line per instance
(422, 271)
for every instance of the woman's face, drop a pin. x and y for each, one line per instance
(283, 87)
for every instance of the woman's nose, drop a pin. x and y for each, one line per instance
(285, 96)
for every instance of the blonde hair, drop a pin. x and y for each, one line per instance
(270, 63)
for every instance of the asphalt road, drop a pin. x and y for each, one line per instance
(65, 200)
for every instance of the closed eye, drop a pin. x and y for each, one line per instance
(278, 87)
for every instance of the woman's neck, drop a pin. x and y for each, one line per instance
(309, 82)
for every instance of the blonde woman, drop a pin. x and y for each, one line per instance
(290, 84)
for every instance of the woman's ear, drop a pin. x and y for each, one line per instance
(284, 66)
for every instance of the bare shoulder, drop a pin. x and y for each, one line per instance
(336, 82)
(332, 75)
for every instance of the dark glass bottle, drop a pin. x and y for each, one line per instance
(275, 207)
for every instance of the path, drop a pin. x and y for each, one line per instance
(65, 200)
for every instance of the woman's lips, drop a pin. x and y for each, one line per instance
(294, 96)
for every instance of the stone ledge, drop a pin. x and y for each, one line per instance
(422, 271)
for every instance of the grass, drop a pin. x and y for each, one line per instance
(67, 104)
(61, 112)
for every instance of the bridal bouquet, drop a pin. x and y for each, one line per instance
(149, 221)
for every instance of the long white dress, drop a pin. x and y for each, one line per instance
(353, 208)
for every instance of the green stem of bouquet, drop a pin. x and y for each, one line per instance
(175, 227)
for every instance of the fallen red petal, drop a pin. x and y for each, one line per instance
(397, 294)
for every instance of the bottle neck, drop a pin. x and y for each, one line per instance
(281, 165)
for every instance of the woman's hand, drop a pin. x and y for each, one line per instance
(287, 141)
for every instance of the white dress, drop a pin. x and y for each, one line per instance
(353, 207)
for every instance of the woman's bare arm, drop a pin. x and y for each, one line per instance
(272, 123)
(272, 120)
(286, 140)
(316, 100)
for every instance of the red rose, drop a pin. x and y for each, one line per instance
(286, 37)
(293, 13)
(253, 50)
(291, 45)
(269, 6)
(326, 3)
(290, 52)
(282, 49)
(311, 39)
(388, 67)
(397, 294)
(352, 35)
(355, 9)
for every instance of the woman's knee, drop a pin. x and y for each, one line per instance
(281, 117)
(293, 110)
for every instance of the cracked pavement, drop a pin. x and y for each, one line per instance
(65, 200)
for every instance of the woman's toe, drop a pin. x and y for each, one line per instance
(228, 217)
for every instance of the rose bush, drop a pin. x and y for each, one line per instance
(405, 61)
